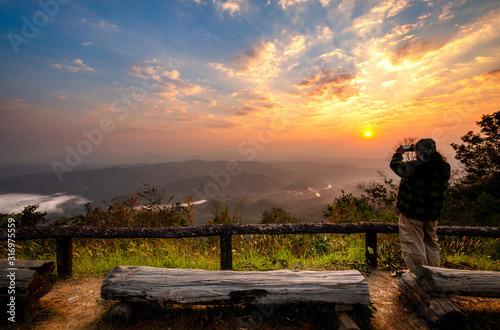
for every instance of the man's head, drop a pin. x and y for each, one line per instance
(425, 148)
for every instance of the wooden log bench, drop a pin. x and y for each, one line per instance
(25, 281)
(460, 282)
(435, 309)
(429, 289)
(202, 287)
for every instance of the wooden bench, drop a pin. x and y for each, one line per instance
(25, 281)
(202, 287)
(430, 287)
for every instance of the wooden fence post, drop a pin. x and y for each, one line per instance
(64, 257)
(226, 252)
(371, 249)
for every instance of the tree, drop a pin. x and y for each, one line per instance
(159, 211)
(277, 215)
(474, 200)
(480, 152)
(221, 213)
(348, 208)
(4, 219)
(30, 217)
(382, 196)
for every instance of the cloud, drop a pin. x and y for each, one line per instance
(156, 72)
(87, 43)
(447, 12)
(326, 34)
(60, 95)
(232, 7)
(221, 124)
(285, 3)
(297, 45)
(74, 66)
(327, 86)
(375, 18)
(265, 59)
(16, 103)
(167, 83)
(245, 111)
(13, 106)
(14, 203)
(399, 66)
(253, 102)
(222, 67)
(260, 61)
(100, 24)
(415, 49)
(338, 53)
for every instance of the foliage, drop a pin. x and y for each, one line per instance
(221, 212)
(474, 200)
(389, 253)
(28, 217)
(4, 219)
(348, 208)
(277, 215)
(376, 206)
(159, 212)
(470, 205)
(382, 196)
(480, 152)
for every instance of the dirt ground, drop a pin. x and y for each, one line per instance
(76, 304)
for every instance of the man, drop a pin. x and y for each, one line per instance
(420, 200)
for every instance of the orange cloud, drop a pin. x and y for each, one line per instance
(74, 66)
(253, 102)
(327, 86)
(415, 50)
(245, 111)
(221, 124)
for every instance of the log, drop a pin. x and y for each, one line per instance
(32, 280)
(434, 309)
(346, 323)
(123, 311)
(26, 233)
(459, 282)
(203, 287)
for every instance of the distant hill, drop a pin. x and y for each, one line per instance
(296, 186)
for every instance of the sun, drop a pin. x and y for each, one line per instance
(368, 134)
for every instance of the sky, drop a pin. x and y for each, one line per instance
(247, 79)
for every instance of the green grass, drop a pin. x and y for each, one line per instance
(96, 257)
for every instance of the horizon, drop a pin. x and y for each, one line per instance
(250, 80)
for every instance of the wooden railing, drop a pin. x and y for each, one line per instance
(65, 234)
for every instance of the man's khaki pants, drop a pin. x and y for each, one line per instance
(419, 242)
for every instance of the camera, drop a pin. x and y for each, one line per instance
(408, 148)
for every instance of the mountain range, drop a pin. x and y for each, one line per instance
(301, 187)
